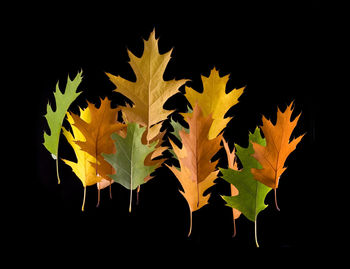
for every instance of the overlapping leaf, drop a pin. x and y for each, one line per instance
(214, 100)
(98, 139)
(152, 159)
(197, 172)
(251, 193)
(129, 159)
(85, 167)
(149, 92)
(278, 147)
(98, 133)
(232, 164)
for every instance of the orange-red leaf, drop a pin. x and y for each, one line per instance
(278, 147)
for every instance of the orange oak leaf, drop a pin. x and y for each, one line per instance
(197, 172)
(278, 147)
(97, 133)
(232, 163)
(152, 158)
(149, 92)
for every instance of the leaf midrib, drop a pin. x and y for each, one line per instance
(126, 156)
(278, 152)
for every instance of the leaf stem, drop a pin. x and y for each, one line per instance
(276, 200)
(98, 194)
(110, 191)
(82, 208)
(256, 233)
(189, 233)
(130, 199)
(58, 176)
(137, 196)
(234, 227)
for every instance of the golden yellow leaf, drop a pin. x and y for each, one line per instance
(84, 168)
(214, 100)
(149, 92)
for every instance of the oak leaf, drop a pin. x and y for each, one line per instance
(278, 147)
(85, 167)
(214, 100)
(149, 92)
(251, 193)
(197, 172)
(177, 127)
(232, 164)
(153, 158)
(97, 135)
(55, 118)
(129, 158)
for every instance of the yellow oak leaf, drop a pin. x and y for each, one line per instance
(214, 100)
(84, 168)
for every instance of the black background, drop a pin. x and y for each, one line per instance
(270, 48)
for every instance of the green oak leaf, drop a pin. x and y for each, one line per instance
(55, 118)
(251, 193)
(128, 161)
(177, 127)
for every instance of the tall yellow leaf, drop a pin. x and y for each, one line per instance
(149, 92)
(84, 168)
(214, 100)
